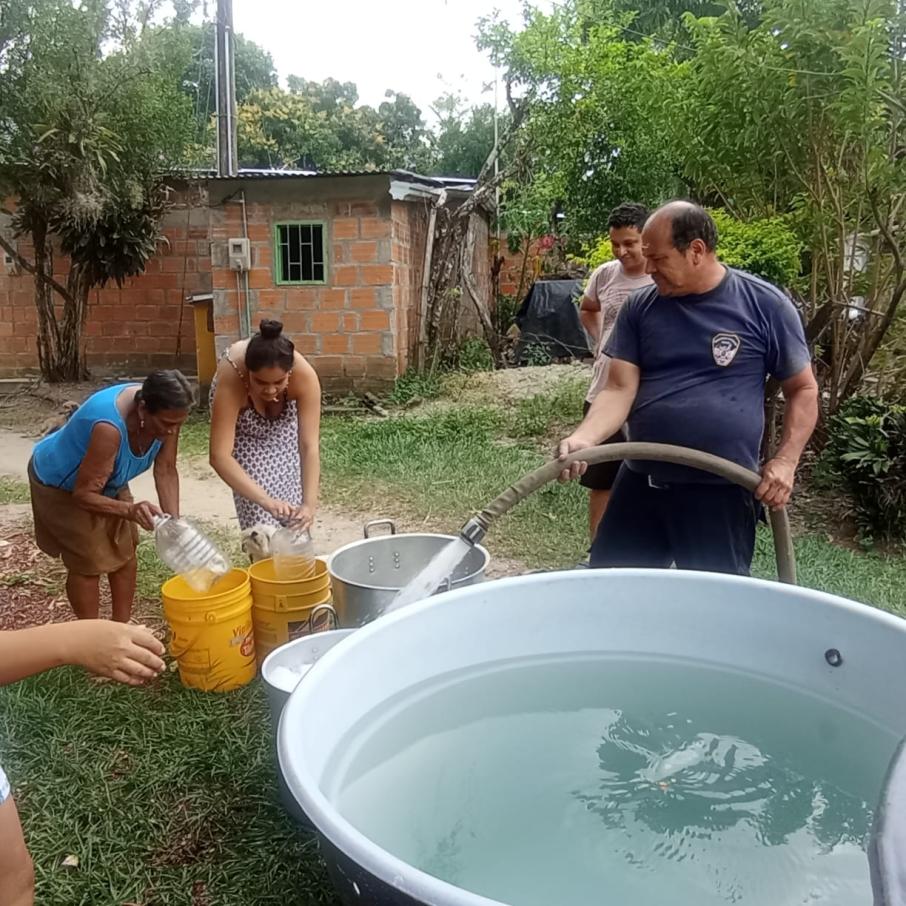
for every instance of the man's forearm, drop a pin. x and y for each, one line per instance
(606, 416)
(591, 321)
(799, 422)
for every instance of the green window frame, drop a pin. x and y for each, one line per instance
(300, 252)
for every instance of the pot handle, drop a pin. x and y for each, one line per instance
(322, 608)
(376, 522)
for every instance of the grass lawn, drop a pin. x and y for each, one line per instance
(445, 465)
(13, 491)
(167, 797)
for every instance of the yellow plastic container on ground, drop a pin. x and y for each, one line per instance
(283, 611)
(212, 636)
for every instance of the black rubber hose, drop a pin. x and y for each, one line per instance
(681, 456)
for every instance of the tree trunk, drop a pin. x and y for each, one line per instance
(72, 363)
(468, 278)
(48, 331)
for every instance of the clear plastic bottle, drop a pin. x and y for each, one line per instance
(189, 552)
(294, 554)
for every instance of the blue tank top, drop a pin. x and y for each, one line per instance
(56, 458)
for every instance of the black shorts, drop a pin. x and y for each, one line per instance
(696, 526)
(601, 475)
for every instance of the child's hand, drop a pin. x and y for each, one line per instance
(125, 653)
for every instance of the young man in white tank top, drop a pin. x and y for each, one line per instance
(608, 288)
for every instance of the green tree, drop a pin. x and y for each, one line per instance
(464, 136)
(596, 131)
(802, 115)
(320, 125)
(88, 126)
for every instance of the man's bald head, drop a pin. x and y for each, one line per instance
(679, 242)
(687, 222)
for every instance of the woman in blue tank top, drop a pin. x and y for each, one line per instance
(79, 479)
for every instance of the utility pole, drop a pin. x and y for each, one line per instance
(225, 81)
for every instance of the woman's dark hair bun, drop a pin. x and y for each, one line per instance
(269, 348)
(270, 329)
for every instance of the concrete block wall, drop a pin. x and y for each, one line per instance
(346, 327)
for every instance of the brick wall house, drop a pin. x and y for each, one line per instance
(338, 258)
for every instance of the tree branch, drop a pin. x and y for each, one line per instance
(31, 269)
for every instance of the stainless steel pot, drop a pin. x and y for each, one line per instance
(366, 575)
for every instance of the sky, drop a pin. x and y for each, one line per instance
(422, 48)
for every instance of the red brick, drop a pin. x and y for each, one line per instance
(302, 298)
(345, 275)
(362, 297)
(375, 228)
(263, 256)
(173, 264)
(350, 322)
(377, 274)
(259, 232)
(345, 228)
(324, 322)
(307, 343)
(366, 343)
(381, 367)
(328, 365)
(354, 365)
(332, 298)
(147, 344)
(363, 252)
(339, 253)
(260, 278)
(274, 299)
(334, 344)
(163, 328)
(364, 208)
(146, 312)
(375, 320)
(296, 322)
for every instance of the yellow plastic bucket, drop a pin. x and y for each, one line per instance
(212, 638)
(283, 611)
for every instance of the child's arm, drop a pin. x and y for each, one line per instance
(125, 653)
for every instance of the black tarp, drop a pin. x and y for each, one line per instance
(549, 318)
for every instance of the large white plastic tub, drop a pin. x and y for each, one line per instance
(834, 648)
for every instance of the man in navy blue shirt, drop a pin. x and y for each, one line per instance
(689, 360)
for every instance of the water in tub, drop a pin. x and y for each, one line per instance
(609, 781)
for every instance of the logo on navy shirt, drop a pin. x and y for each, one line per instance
(724, 347)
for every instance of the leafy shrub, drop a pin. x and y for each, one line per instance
(599, 252)
(767, 248)
(536, 354)
(866, 452)
(474, 355)
(505, 312)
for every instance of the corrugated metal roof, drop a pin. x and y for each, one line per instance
(256, 173)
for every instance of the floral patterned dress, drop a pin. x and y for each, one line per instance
(268, 450)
